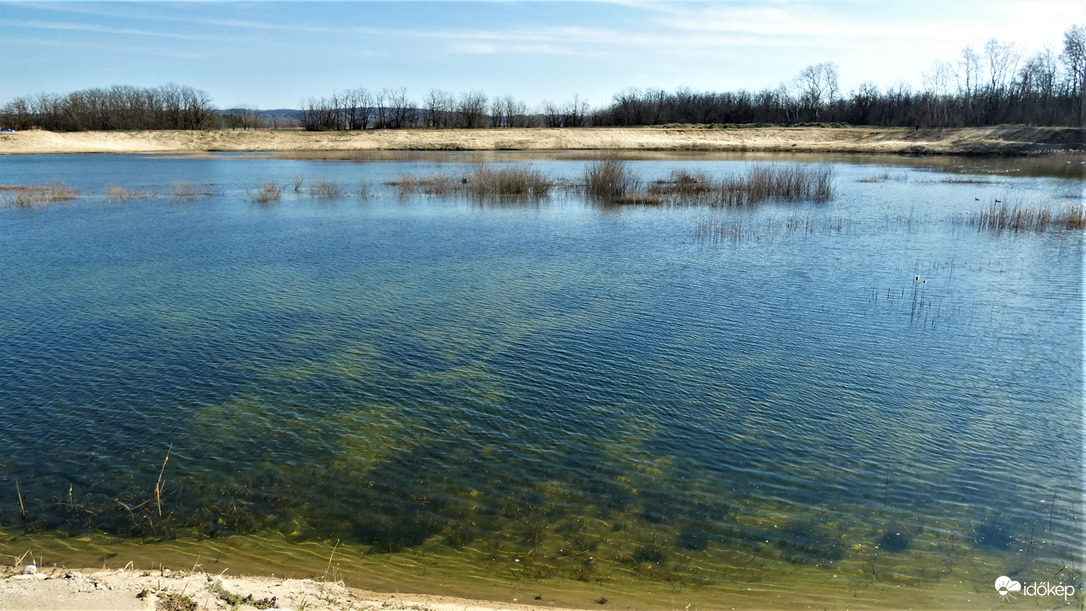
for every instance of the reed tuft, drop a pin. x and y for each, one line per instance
(323, 189)
(35, 196)
(269, 193)
(610, 178)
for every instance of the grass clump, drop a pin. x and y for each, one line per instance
(761, 183)
(482, 182)
(432, 184)
(117, 193)
(514, 181)
(184, 190)
(790, 183)
(683, 184)
(269, 193)
(610, 178)
(323, 189)
(35, 196)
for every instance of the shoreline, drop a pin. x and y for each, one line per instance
(980, 141)
(57, 588)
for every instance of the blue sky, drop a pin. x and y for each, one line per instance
(275, 54)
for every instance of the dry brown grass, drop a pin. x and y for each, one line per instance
(118, 193)
(269, 193)
(512, 181)
(35, 196)
(611, 178)
(326, 190)
(183, 190)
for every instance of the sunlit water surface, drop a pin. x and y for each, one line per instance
(863, 402)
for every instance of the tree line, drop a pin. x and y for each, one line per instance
(116, 108)
(997, 84)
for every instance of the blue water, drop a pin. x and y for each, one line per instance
(868, 385)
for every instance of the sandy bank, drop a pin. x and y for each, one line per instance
(1003, 140)
(56, 589)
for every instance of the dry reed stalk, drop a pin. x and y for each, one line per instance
(158, 484)
(19, 494)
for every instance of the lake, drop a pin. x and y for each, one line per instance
(871, 401)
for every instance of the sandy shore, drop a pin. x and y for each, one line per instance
(55, 589)
(1002, 140)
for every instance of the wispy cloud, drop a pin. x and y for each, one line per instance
(87, 27)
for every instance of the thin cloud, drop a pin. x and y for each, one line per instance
(86, 27)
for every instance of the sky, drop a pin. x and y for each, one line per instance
(277, 54)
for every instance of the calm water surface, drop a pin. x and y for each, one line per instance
(864, 402)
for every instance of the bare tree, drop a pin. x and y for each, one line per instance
(438, 108)
(1074, 59)
(471, 109)
(817, 88)
(401, 109)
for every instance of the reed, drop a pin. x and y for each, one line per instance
(269, 193)
(610, 178)
(35, 196)
(432, 184)
(184, 190)
(512, 181)
(1000, 217)
(118, 193)
(683, 184)
(323, 189)
(761, 183)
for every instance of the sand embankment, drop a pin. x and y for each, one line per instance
(56, 589)
(1001, 140)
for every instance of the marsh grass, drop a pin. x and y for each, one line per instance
(36, 196)
(610, 178)
(184, 190)
(432, 184)
(512, 181)
(683, 183)
(118, 193)
(326, 190)
(1003, 217)
(770, 230)
(269, 193)
(761, 183)
(482, 182)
